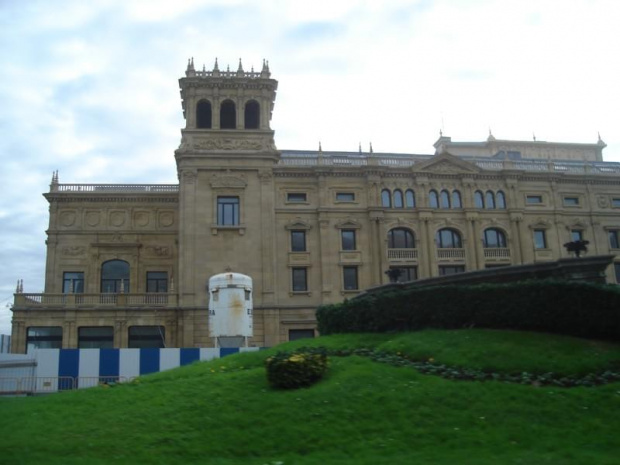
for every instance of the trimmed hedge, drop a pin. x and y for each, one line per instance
(570, 308)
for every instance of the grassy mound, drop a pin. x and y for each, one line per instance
(362, 412)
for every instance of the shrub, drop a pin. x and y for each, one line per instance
(568, 308)
(292, 370)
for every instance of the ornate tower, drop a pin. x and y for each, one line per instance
(227, 114)
(225, 166)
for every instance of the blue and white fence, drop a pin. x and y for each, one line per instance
(52, 370)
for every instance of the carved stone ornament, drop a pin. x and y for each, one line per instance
(166, 219)
(117, 218)
(93, 218)
(234, 144)
(158, 250)
(189, 176)
(67, 218)
(603, 201)
(228, 180)
(73, 251)
(142, 219)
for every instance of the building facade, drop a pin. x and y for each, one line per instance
(129, 265)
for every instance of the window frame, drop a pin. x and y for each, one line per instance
(345, 197)
(501, 241)
(159, 336)
(539, 237)
(409, 198)
(299, 244)
(150, 278)
(350, 278)
(290, 197)
(454, 244)
(223, 202)
(393, 240)
(345, 243)
(71, 281)
(614, 238)
(56, 339)
(107, 341)
(386, 198)
(455, 269)
(571, 201)
(534, 199)
(299, 279)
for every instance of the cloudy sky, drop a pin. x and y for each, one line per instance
(90, 88)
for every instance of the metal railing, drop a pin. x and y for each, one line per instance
(29, 385)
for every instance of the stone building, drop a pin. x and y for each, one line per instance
(128, 265)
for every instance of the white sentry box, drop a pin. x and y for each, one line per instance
(230, 309)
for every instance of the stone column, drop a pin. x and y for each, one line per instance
(187, 226)
(515, 228)
(271, 327)
(428, 247)
(478, 251)
(268, 237)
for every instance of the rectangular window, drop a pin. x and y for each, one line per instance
(300, 279)
(72, 282)
(348, 239)
(407, 273)
(44, 337)
(571, 201)
(294, 334)
(349, 278)
(445, 270)
(540, 239)
(345, 197)
(576, 235)
(299, 197)
(617, 270)
(97, 337)
(615, 203)
(614, 238)
(298, 241)
(156, 281)
(228, 211)
(534, 199)
(147, 337)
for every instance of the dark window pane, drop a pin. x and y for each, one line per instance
(445, 270)
(501, 200)
(540, 239)
(571, 201)
(157, 281)
(456, 199)
(407, 273)
(433, 200)
(534, 199)
(98, 337)
(203, 115)
(349, 274)
(490, 199)
(617, 270)
(44, 337)
(386, 200)
(400, 238)
(73, 282)
(300, 279)
(147, 337)
(228, 115)
(298, 241)
(228, 211)
(409, 199)
(479, 199)
(294, 334)
(296, 197)
(444, 199)
(348, 239)
(115, 276)
(494, 238)
(576, 235)
(613, 239)
(345, 197)
(252, 115)
(448, 239)
(398, 199)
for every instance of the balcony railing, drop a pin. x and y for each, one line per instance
(94, 300)
(402, 254)
(451, 254)
(497, 253)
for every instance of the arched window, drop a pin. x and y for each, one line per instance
(115, 276)
(252, 114)
(433, 200)
(478, 199)
(203, 115)
(401, 238)
(444, 199)
(490, 199)
(228, 115)
(448, 239)
(500, 200)
(409, 199)
(494, 238)
(398, 199)
(386, 198)
(456, 200)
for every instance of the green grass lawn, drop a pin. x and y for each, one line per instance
(363, 412)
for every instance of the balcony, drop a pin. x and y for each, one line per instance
(44, 301)
(497, 254)
(402, 255)
(451, 254)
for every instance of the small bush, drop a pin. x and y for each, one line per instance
(292, 370)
